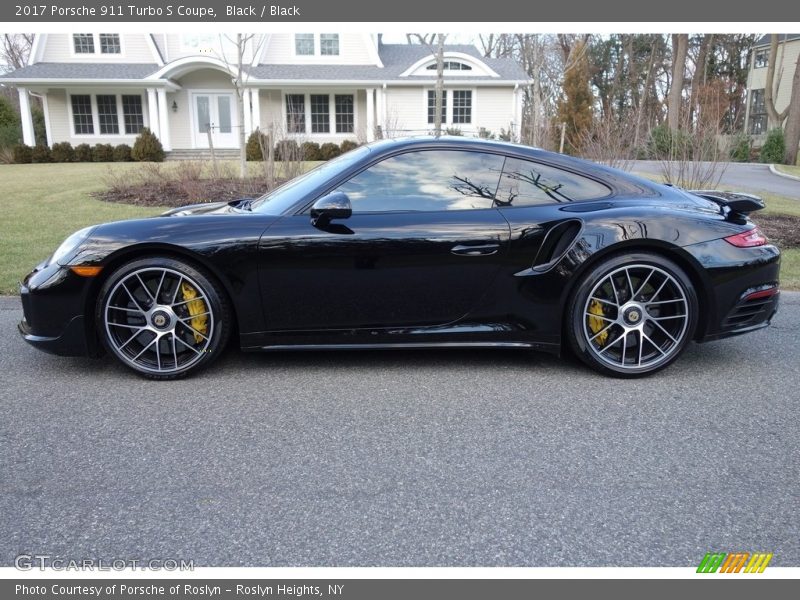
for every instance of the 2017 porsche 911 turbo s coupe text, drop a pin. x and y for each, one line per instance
(430, 242)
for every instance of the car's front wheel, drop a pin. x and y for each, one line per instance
(162, 317)
(632, 315)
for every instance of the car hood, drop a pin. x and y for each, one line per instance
(205, 208)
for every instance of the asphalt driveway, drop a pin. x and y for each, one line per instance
(404, 458)
(748, 177)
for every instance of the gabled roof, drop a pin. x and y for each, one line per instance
(764, 40)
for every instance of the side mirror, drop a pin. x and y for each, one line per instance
(333, 206)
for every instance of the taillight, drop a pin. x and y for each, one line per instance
(747, 239)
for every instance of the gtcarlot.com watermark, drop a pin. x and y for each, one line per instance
(43, 562)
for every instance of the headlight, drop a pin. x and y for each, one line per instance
(67, 248)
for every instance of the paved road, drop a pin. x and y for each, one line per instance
(751, 177)
(404, 458)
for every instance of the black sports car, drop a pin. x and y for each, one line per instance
(433, 242)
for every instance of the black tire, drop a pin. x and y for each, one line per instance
(632, 315)
(163, 318)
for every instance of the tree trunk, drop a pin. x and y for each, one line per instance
(680, 46)
(437, 106)
(774, 118)
(240, 46)
(792, 136)
(698, 78)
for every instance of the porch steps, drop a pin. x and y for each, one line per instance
(203, 154)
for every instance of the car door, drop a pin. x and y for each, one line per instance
(423, 244)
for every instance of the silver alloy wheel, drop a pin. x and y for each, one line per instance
(152, 325)
(636, 317)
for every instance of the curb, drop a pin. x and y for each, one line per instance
(775, 171)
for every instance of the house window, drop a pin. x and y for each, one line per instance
(83, 43)
(107, 114)
(320, 113)
(82, 114)
(132, 114)
(462, 106)
(344, 113)
(295, 113)
(432, 105)
(304, 44)
(451, 65)
(329, 44)
(761, 59)
(758, 112)
(109, 43)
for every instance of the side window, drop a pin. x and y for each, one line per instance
(526, 183)
(426, 180)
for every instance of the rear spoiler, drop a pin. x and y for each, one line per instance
(736, 203)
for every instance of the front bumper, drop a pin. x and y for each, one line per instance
(733, 275)
(55, 309)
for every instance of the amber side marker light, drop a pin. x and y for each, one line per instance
(86, 271)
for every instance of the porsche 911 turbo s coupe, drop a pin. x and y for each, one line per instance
(431, 242)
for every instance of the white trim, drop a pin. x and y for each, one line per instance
(154, 49)
(46, 110)
(370, 114)
(97, 50)
(256, 100)
(372, 49)
(33, 57)
(179, 67)
(152, 112)
(461, 56)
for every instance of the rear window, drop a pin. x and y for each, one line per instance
(527, 183)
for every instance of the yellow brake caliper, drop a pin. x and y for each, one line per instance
(596, 324)
(197, 310)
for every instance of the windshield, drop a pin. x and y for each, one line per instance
(277, 201)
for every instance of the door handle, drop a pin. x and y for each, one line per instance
(480, 250)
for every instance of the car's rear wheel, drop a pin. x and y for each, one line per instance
(632, 315)
(162, 317)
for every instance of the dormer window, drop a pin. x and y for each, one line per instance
(310, 44)
(109, 43)
(451, 65)
(304, 44)
(87, 43)
(83, 43)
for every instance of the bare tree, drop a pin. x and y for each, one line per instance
(15, 50)
(774, 117)
(680, 47)
(438, 51)
(793, 119)
(241, 75)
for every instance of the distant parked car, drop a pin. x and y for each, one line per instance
(416, 243)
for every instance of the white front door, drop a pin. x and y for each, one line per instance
(215, 112)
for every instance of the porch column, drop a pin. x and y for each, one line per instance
(256, 108)
(152, 111)
(248, 115)
(370, 114)
(28, 138)
(163, 120)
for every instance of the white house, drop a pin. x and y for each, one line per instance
(756, 122)
(104, 87)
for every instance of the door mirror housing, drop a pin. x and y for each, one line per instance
(333, 206)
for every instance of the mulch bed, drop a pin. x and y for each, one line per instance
(782, 230)
(183, 193)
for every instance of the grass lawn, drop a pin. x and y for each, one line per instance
(43, 204)
(789, 170)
